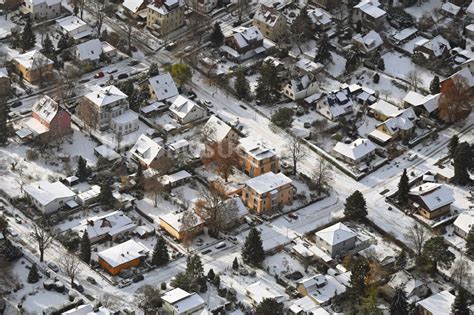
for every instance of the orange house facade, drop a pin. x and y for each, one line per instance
(255, 158)
(172, 224)
(123, 256)
(268, 192)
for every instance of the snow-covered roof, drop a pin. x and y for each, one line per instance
(45, 192)
(123, 253)
(338, 102)
(48, 2)
(89, 194)
(217, 129)
(356, 149)
(429, 102)
(369, 41)
(106, 152)
(403, 121)
(89, 50)
(404, 279)
(437, 45)
(88, 309)
(465, 75)
(182, 106)
(178, 144)
(438, 304)
(146, 150)
(470, 8)
(308, 65)
(268, 182)
(465, 221)
(4, 73)
(433, 195)
(35, 126)
(319, 17)
(133, 5)
(73, 23)
(336, 234)
(103, 96)
(164, 87)
(174, 220)
(404, 34)
(32, 60)
(256, 149)
(385, 108)
(127, 117)
(261, 290)
(322, 288)
(46, 108)
(175, 177)
(175, 295)
(306, 305)
(450, 8)
(112, 223)
(167, 6)
(244, 35)
(371, 8)
(267, 15)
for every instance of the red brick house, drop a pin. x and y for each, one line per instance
(48, 117)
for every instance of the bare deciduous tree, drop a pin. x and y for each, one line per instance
(417, 236)
(221, 157)
(148, 299)
(295, 150)
(415, 79)
(87, 114)
(188, 222)
(461, 272)
(70, 265)
(322, 175)
(153, 188)
(44, 239)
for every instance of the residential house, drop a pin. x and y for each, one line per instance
(321, 20)
(426, 106)
(5, 84)
(436, 48)
(137, 9)
(464, 223)
(414, 288)
(245, 43)
(367, 44)
(162, 87)
(88, 309)
(180, 302)
(33, 66)
(261, 290)
(432, 200)
(403, 36)
(176, 179)
(305, 306)
(256, 158)
(105, 227)
(450, 9)
(300, 87)
(203, 6)
(42, 9)
(88, 196)
(369, 13)
(437, 304)
(122, 256)
(470, 10)
(336, 104)
(48, 118)
(218, 131)
(268, 192)
(89, 52)
(178, 149)
(356, 152)
(186, 111)
(147, 152)
(74, 27)
(320, 288)
(106, 153)
(381, 110)
(107, 108)
(336, 240)
(165, 16)
(173, 225)
(271, 23)
(48, 197)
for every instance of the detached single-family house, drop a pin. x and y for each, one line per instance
(185, 110)
(136, 8)
(48, 197)
(33, 66)
(108, 226)
(397, 123)
(176, 179)
(245, 43)
(122, 256)
(173, 225)
(178, 148)
(450, 9)
(268, 192)
(464, 223)
(321, 288)
(426, 106)
(48, 118)
(437, 304)
(370, 14)
(261, 290)
(300, 87)
(219, 132)
(414, 288)
(180, 302)
(356, 152)
(368, 43)
(162, 87)
(147, 152)
(256, 158)
(336, 240)
(432, 200)
(336, 104)
(321, 20)
(435, 48)
(89, 52)
(306, 305)
(271, 23)
(42, 9)
(74, 27)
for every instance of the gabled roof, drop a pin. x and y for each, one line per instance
(133, 5)
(319, 17)
(385, 108)
(268, 182)
(175, 220)
(438, 304)
(403, 279)
(451, 8)
(437, 45)
(371, 8)
(433, 195)
(182, 106)
(123, 253)
(336, 234)
(146, 150)
(369, 41)
(356, 149)
(32, 60)
(46, 108)
(164, 87)
(244, 35)
(465, 221)
(465, 75)
(45, 192)
(429, 102)
(267, 15)
(89, 50)
(261, 290)
(217, 129)
(111, 223)
(339, 102)
(403, 121)
(103, 96)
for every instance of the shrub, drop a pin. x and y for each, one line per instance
(31, 155)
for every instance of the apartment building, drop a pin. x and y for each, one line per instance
(165, 16)
(256, 158)
(271, 23)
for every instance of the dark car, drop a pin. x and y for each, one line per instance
(207, 251)
(16, 104)
(133, 63)
(76, 285)
(99, 74)
(122, 76)
(91, 280)
(138, 278)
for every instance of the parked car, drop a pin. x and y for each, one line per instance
(99, 74)
(122, 76)
(138, 278)
(125, 283)
(16, 104)
(233, 239)
(91, 280)
(208, 103)
(221, 245)
(112, 71)
(206, 251)
(76, 285)
(133, 63)
(412, 156)
(243, 106)
(199, 242)
(307, 125)
(53, 266)
(293, 216)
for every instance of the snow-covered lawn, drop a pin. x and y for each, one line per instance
(428, 7)
(400, 66)
(337, 66)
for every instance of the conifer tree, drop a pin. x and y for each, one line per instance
(153, 70)
(106, 196)
(3, 121)
(435, 85)
(217, 37)
(399, 304)
(268, 84)
(235, 264)
(48, 48)
(470, 243)
(252, 251)
(269, 306)
(460, 305)
(33, 275)
(211, 275)
(242, 86)
(403, 189)
(435, 253)
(376, 78)
(324, 54)
(453, 144)
(381, 64)
(355, 207)
(28, 37)
(462, 162)
(160, 252)
(401, 261)
(359, 271)
(82, 170)
(139, 179)
(85, 253)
